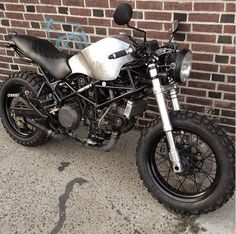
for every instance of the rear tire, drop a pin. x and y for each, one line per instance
(32, 82)
(223, 184)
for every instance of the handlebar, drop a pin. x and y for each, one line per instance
(121, 53)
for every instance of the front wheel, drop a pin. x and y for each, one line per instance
(207, 155)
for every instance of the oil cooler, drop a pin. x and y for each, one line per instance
(134, 108)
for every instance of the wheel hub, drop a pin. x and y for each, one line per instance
(19, 102)
(189, 159)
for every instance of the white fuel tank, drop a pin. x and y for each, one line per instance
(95, 62)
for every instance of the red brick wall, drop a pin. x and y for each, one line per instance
(207, 28)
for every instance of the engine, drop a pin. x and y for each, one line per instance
(118, 117)
(69, 116)
(80, 118)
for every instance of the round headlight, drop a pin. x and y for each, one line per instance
(186, 66)
(182, 65)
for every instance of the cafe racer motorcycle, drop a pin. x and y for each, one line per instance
(185, 160)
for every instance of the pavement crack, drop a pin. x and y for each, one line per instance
(62, 203)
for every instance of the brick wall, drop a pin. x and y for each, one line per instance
(207, 28)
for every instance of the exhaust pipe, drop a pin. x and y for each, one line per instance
(106, 147)
(60, 136)
(111, 143)
(50, 133)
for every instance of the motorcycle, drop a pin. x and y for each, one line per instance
(185, 160)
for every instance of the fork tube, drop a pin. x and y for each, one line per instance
(174, 99)
(167, 127)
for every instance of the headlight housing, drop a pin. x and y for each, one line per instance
(181, 65)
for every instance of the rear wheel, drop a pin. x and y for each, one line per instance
(207, 155)
(12, 96)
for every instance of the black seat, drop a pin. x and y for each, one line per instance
(43, 53)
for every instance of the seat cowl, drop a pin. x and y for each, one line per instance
(43, 53)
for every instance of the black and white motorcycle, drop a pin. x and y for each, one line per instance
(185, 160)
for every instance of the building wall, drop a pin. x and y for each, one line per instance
(207, 28)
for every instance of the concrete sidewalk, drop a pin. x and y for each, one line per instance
(63, 188)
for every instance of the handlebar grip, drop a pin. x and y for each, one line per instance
(118, 54)
(9, 44)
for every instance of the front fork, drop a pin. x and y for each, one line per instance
(167, 127)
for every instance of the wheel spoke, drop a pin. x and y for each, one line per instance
(208, 157)
(208, 176)
(182, 139)
(182, 183)
(168, 174)
(197, 141)
(195, 182)
(163, 162)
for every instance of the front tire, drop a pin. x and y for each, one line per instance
(207, 154)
